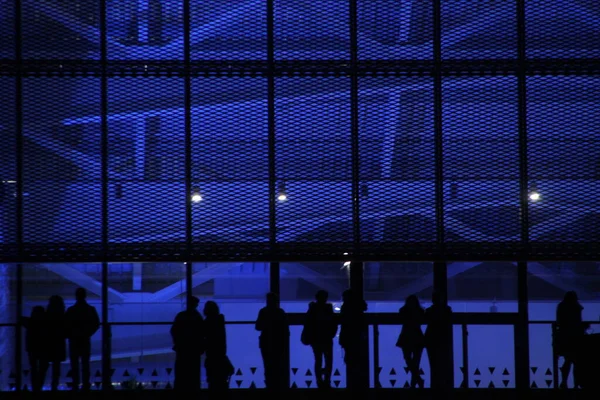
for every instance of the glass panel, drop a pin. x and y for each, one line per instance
(142, 357)
(7, 358)
(8, 164)
(301, 281)
(145, 292)
(40, 281)
(388, 284)
(549, 281)
(487, 286)
(491, 356)
(8, 290)
(62, 163)
(244, 353)
(302, 362)
(541, 366)
(238, 288)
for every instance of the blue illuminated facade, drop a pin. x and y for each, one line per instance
(154, 148)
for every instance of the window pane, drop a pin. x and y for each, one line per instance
(482, 286)
(8, 288)
(238, 288)
(549, 281)
(7, 358)
(145, 292)
(491, 356)
(244, 353)
(301, 281)
(40, 281)
(142, 357)
(388, 284)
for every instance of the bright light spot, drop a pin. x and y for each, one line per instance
(282, 197)
(347, 264)
(345, 254)
(337, 308)
(196, 198)
(534, 196)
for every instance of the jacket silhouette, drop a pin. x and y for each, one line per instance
(187, 333)
(82, 323)
(56, 337)
(411, 339)
(36, 346)
(569, 335)
(274, 342)
(217, 364)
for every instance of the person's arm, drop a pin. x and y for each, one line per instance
(260, 323)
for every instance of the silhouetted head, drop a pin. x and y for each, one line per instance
(322, 296)
(211, 309)
(412, 302)
(571, 297)
(272, 300)
(192, 302)
(56, 305)
(37, 312)
(80, 294)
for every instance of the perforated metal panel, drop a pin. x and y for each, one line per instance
(62, 212)
(456, 136)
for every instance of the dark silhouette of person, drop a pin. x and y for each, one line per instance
(56, 334)
(438, 342)
(217, 364)
(320, 327)
(82, 323)
(187, 332)
(35, 346)
(569, 335)
(353, 337)
(411, 339)
(273, 342)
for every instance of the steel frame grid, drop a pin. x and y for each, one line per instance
(437, 68)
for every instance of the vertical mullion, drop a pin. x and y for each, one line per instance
(354, 127)
(271, 133)
(106, 337)
(188, 147)
(522, 328)
(19, 190)
(438, 138)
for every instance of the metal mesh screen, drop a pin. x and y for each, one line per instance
(479, 29)
(230, 164)
(8, 170)
(61, 167)
(396, 165)
(313, 162)
(564, 150)
(481, 161)
(146, 162)
(455, 131)
(311, 30)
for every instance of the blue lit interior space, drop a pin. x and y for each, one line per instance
(225, 149)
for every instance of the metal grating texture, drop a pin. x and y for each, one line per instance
(146, 167)
(7, 30)
(562, 29)
(62, 213)
(311, 30)
(397, 166)
(233, 30)
(564, 163)
(313, 165)
(395, 30)
(8, 170)
(481, 164)
(60, 29)
(479, 29)
(230, 166)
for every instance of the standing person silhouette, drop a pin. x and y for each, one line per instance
(411, 339)
(187, 333)
(569, 334)
(273, 342)
(438, 341)
(82, 322)
(56, 337)
(353, 336)
(217, 364)
(35, 346)
(320, 329)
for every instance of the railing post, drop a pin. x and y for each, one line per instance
(554, 357)
(465, 356)
(376, 381)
